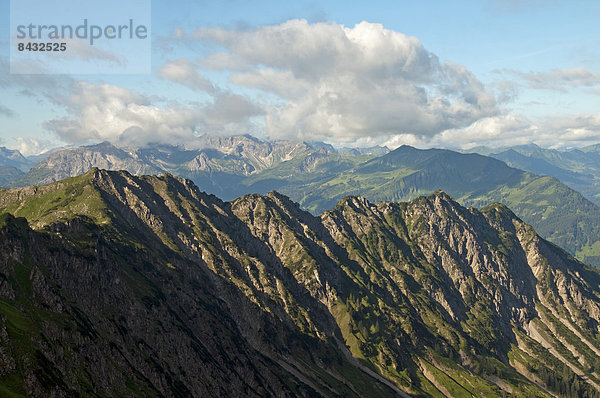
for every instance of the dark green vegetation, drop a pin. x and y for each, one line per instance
(118, 285)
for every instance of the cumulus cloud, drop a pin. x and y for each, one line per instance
(496, 131)
(184, 72)
(342, 84)
(504, 130)
(514, 129)
(572, 131)
(31, 146)
(116, 114)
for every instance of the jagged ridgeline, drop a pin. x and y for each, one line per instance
(115, 285)
(318, 176)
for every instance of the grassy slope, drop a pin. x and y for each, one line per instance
(578, 168)
(56, 201)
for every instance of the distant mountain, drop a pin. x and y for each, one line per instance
(536, 165)
(9, 173)
(374, 150)
(578, 168)
(41, 156)
(75, 161)
(14, 158)
(209, 159)
(591, 148)
(115, 285)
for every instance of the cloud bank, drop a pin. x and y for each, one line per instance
(185, 72)
(339, 84)
(360, 85)
(108, 112)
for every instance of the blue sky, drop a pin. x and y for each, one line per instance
(445, 74)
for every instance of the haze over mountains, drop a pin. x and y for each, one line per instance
(13, 158)
(578, 168)
(164, 290)
(317, 176)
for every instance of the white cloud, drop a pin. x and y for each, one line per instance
(514, 129)
(116, 114)
(341, 84)
(363, 85)
(31, 146)
(503, 131)
(184, 72)
(572, 131)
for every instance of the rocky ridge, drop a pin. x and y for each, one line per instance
(165, 290)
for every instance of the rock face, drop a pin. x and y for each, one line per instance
(75, 161)
(112, 284)
(235, 155)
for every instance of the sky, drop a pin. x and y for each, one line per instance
(430, 74)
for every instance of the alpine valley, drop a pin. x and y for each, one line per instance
(119, 285)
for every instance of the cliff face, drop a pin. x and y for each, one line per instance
(146, 286)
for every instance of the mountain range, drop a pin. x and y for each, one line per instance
(317, 176)
(209, 158)
(578, 168)
(117, 285)
(14, 158)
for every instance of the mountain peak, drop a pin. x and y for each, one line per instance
(439, 193)
(439, 198)
(355, 202)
